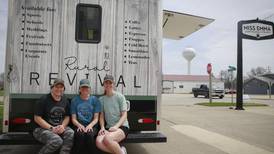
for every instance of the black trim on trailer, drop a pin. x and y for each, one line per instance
(133, 137)
(23, 107)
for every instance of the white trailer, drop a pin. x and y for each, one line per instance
(76, 39)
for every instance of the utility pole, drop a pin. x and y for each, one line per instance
(209, 71)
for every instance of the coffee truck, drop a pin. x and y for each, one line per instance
(77, 39)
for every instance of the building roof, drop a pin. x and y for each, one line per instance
(267, 78)
(179, 25)
(269, 75)
(174, 77)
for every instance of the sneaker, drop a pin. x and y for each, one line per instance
(124, 150)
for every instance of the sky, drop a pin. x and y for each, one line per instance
(215, 43)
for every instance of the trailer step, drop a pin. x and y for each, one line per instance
(17, 139)
(133, 137)
(140, 137)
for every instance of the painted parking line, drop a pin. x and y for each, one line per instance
(224, 143)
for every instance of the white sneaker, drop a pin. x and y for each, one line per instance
(124, 150)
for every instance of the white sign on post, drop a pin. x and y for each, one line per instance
(257, 29)
(252, 30)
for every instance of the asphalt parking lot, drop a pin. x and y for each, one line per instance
(193, 129)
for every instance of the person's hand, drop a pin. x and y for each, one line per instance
(113, 129)
(89, 128)
(102, 131)
(60, 129)
(55, 130)
(81, 128)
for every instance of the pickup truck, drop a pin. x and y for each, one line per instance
(204, 91)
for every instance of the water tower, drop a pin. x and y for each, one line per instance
(188, 54)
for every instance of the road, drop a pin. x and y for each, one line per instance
(193, 129)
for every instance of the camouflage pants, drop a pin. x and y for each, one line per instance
(53, 142)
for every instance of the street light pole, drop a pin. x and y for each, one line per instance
(239, 103)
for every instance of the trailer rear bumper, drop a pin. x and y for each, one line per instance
(19, 138)
(147, 137)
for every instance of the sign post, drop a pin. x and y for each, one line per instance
(209, 71)
(254, 30)
(231, 69)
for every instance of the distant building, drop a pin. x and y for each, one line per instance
(259, 84)
(185, 83)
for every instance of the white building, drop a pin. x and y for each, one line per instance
(185, 83)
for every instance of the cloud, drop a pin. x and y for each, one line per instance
(217, 42)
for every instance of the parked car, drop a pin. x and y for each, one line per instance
(204, 91)
(230, 91)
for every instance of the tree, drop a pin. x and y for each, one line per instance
(226, 77)
(258, 71)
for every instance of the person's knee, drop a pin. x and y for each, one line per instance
(98, 142)
(107, 140)
(79, 135)
(91, 134)
(36, 133)
(56, 142)
(68, 135)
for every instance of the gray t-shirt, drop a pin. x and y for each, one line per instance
(112, 106)
(53, 112)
